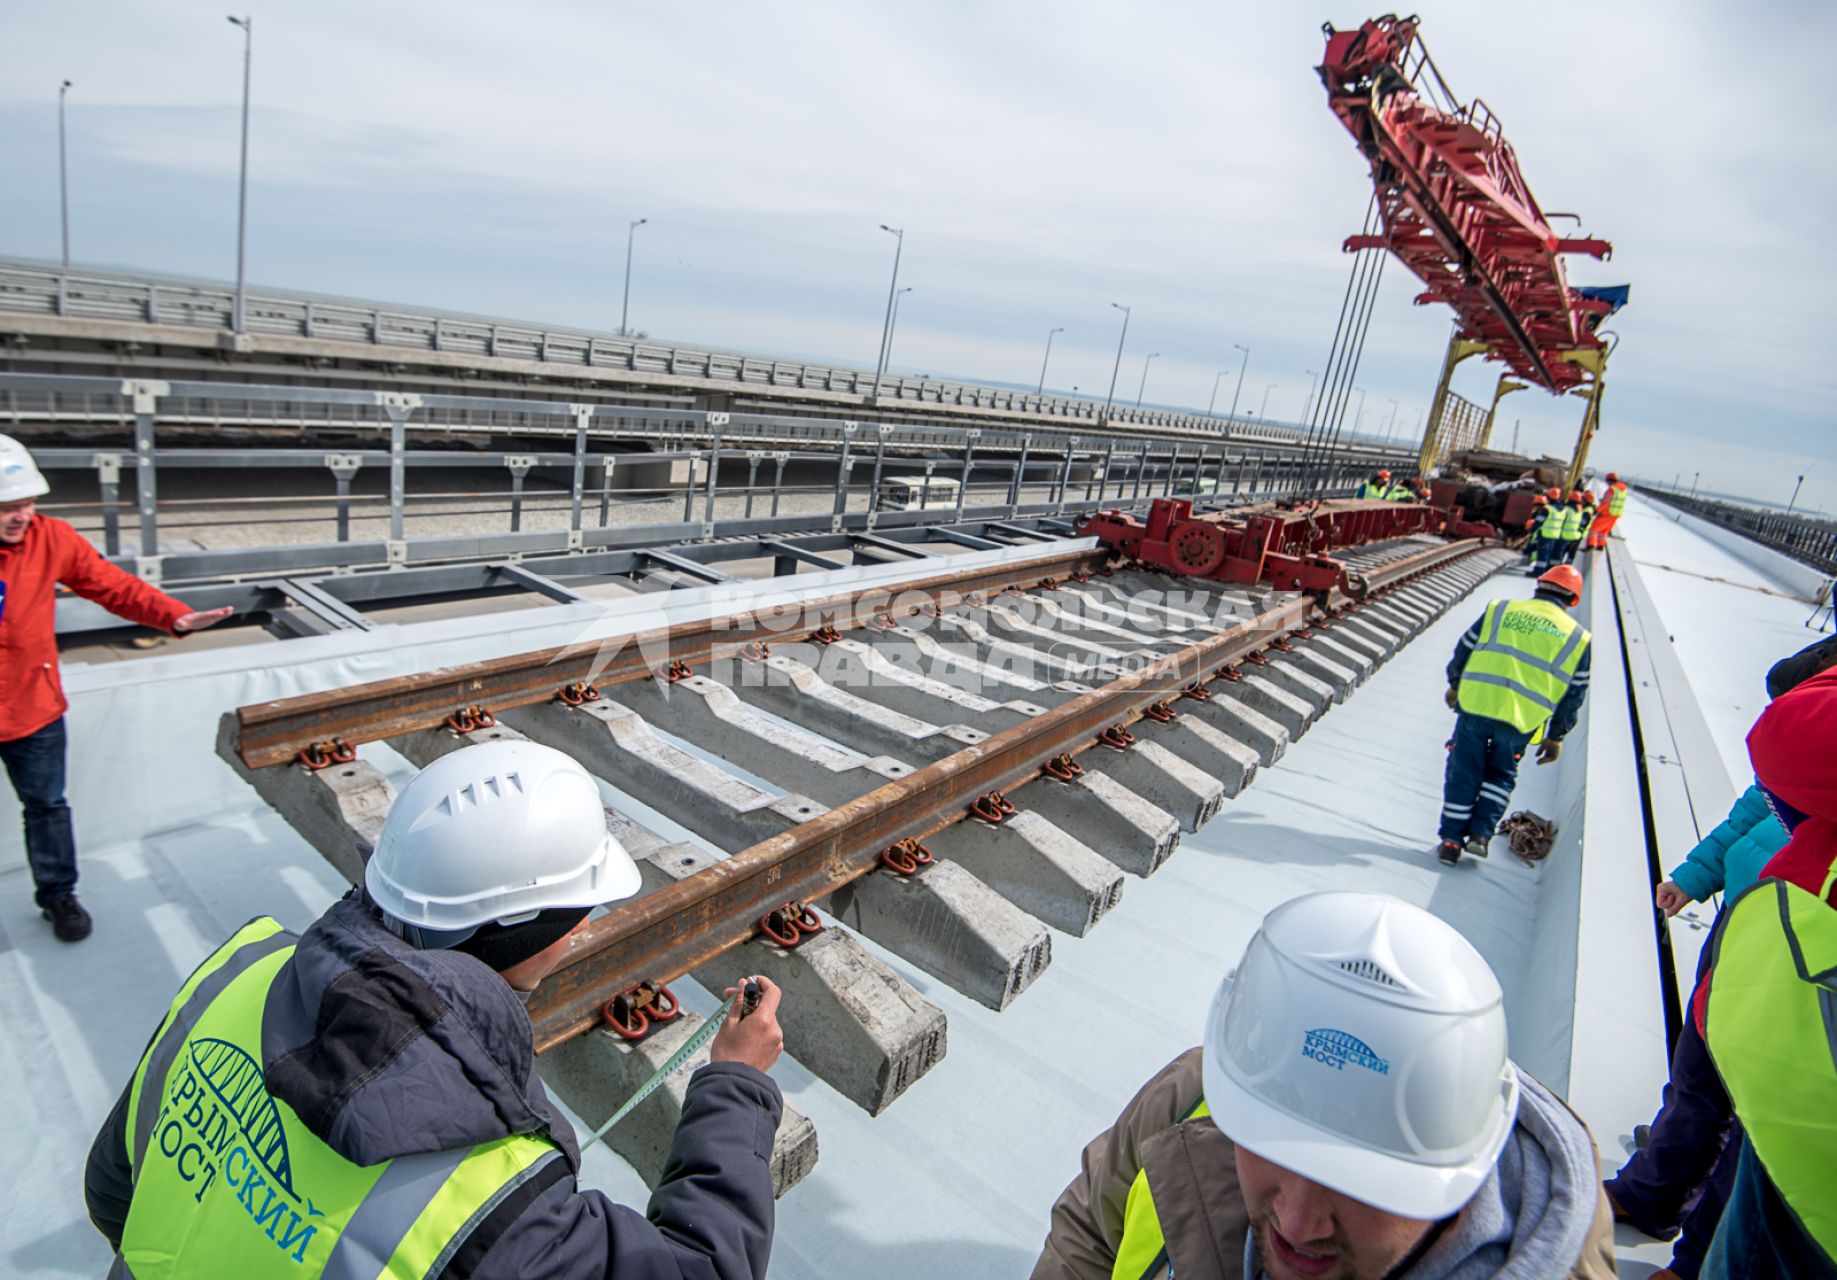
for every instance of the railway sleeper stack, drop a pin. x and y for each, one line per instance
(783, 736)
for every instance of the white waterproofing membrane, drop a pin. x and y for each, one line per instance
(958, 1176)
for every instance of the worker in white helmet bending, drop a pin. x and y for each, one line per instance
(362, 1099)
(1351, 1114)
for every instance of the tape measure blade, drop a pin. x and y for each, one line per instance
(690, 1047)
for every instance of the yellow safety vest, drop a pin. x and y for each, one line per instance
(1521, 668)
(1617, 500)
(1142, 1253)
(229, 1182)
(1401, 493)
(1771, 1026)
(1572, 523)
(1370, 490)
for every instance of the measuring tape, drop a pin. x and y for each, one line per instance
(706, 1032)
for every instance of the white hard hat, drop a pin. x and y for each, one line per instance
(1361, 1045)
(495, 832)
(20, 477)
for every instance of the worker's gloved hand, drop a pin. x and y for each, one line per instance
(1549, 751)
(1452, 697)
(753, 1038)
(198, 621)
(1671, 899)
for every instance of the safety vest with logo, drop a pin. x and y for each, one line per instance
(1617, 500)
(1771, 1026)
(1372, 489)
(1401, 493)
(1521, 668)
(1142, 1252)
(229, 1182)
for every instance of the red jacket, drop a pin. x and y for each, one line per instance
(31, 695)
(1793, 747)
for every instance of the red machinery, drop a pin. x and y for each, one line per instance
(1456, 210)
(1287, 550)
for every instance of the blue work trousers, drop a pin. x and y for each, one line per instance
(1545, 552)
(1682, 1176)
(1482, 766)
(35, 763)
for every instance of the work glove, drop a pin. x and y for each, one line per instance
(1452, 697)
(1549, 751)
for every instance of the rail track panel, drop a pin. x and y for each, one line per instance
(957, 774)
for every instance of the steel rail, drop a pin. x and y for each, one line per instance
(668, 933)
(275, 732)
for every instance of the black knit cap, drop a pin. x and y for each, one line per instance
(499, 946)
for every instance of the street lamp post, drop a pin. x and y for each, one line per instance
(1048, 357)
(1213, 402)
(1263, 409)
(1694, 477)
(1144, 387)
(1795, 495)
(1118, 366)
(886, 328)
(1390, 423)
(631, 234)
(242, 195)
(1308, 403)
(1360, 417)
(893, 328)
(63, 179)
(1243, 366)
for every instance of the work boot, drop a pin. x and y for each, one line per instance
(1449, 851)
(1479, 845)
(68, 919)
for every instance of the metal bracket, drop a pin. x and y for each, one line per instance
(145, 394)
(717, 419)
(344, 465)
(519, 463)
(398, 400)
(398, 553)
(108, 468)
(149, 569)
(574, 540)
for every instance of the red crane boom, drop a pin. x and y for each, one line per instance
(1456, 209)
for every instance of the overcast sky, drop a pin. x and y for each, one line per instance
(1045, 159)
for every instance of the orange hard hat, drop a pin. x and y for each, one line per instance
(1612, 478)
(1565, 577)
(1540, 501)
(1555, 495)
(1577, 496)
(1383, 475)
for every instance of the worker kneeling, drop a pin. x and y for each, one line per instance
(1521, 669)
(1350, 1114)
(362, 1099)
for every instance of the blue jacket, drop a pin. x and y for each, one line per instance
(1729, 858)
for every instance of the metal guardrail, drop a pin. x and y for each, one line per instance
(1112, 470)
(43, 289)
(1807, 539)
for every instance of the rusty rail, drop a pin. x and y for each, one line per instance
(670, 932)
(275, 733)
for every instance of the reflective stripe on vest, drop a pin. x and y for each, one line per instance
(1142, 1252)
(1771, 1027)
(1572, 523)
(229, 1181)
(1617, 500)
(1521, 668)
(1370, 490)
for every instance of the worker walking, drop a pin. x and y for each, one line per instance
(1550, 532)
(1534, 532)
(1570, 536)
(1607, 514)
(1519, 672)
(362, 1099)
(1378, 487)
(1351, 1112)
(38, 552)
